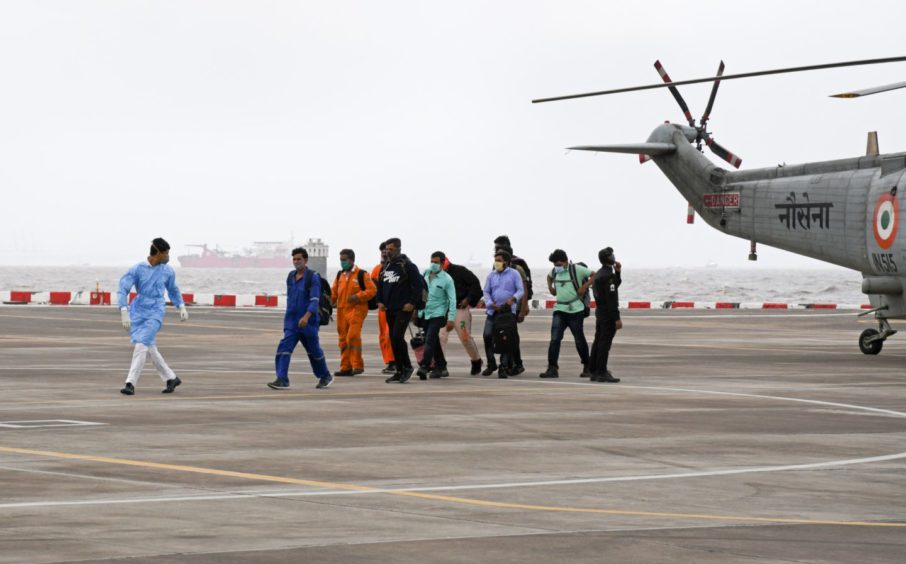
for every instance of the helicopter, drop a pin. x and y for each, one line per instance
(845, 212)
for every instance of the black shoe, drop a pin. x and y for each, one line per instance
(356, 371)
(551, 372)
(392, 379)
(476, 367)
(502, 373)
(585, 373)
(344, 373)
(608, 378)
(389, 369)
(171, 385)
(439, 373)
(406, 374)
(128, 389)
(516, 371)
(492, 368)
(593, 377)
(324, 382)
(278, 385)
(422, 373)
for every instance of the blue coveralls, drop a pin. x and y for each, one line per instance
(298, 301)
(147, 309)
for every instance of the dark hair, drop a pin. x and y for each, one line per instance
(300, 251)
(440, 255)
(349, 253)
(159, 245)
(604, 253)
(382, 246)
(503, 240)
(395, 241)
(507, 249)
(558, 255)
(507, 257)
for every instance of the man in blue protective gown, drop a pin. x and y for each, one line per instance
(301, 323)
(144, 318)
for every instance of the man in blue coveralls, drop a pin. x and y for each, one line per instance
(146, 315)
(301, 323)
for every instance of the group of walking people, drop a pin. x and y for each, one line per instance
(438, 301)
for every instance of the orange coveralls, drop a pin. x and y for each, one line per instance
(351, 316)
(383, 328)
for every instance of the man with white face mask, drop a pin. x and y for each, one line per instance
(569, 283)
(502, 291)
(144, 318)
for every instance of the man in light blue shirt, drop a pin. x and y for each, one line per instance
(144, 318)
(502, 291)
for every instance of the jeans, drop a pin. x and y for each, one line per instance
(433, 350)
(559, 324)
(506, 361)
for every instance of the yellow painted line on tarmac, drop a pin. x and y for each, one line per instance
(443, 498)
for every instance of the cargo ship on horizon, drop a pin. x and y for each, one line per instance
(262, 254)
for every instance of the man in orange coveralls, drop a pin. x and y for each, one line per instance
(351, 291)
(383, 328)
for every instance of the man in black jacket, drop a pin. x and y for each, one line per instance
(468, 294)
(607, 315)
(400, 293)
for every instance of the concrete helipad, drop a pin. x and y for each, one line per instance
(734, 436)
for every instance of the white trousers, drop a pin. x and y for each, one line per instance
(139, 355)
(463, 328)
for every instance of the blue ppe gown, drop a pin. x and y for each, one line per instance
(147, 309)
(299, 301)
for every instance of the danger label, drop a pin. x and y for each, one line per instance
(722, 200)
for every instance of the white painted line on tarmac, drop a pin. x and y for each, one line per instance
(491, 486)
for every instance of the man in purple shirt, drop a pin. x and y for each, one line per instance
(502, 292)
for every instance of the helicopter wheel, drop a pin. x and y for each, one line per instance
(873, 347)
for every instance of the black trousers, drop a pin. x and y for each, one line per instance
(433, 350)
(398, 322)
(605, 330)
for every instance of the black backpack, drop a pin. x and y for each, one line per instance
(504, 332)
(586, 299)
(372, 303)
(421, 298)
(325, 308)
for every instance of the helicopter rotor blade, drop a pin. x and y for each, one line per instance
(721, 152)
(676, 95)
(727, 77)
(707, 114)
(869, 91)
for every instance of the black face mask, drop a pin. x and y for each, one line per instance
(609, 260)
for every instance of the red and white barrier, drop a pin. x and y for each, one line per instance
(86, 298)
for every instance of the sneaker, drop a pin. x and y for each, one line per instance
(389, 369)
(392, 379)
(171, 385)
(502, 373)
(324, 382)
(422, 373)
(551, 372)
(516, 371)
(492, 368)
(343, 373)
(356, 371)
(128, 389)
(406, 374)
(585, 373)
(439, 373)
(476, 367)
(278, 385)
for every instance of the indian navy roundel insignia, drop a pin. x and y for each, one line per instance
(886, 221)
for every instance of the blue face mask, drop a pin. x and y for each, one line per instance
(559, 269)
(435, 268)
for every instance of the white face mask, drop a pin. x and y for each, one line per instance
(559, 269)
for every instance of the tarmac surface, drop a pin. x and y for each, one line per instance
(733, 437)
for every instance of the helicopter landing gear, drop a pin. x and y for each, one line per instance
(872, 340)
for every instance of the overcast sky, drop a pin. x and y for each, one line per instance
(227, 122)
